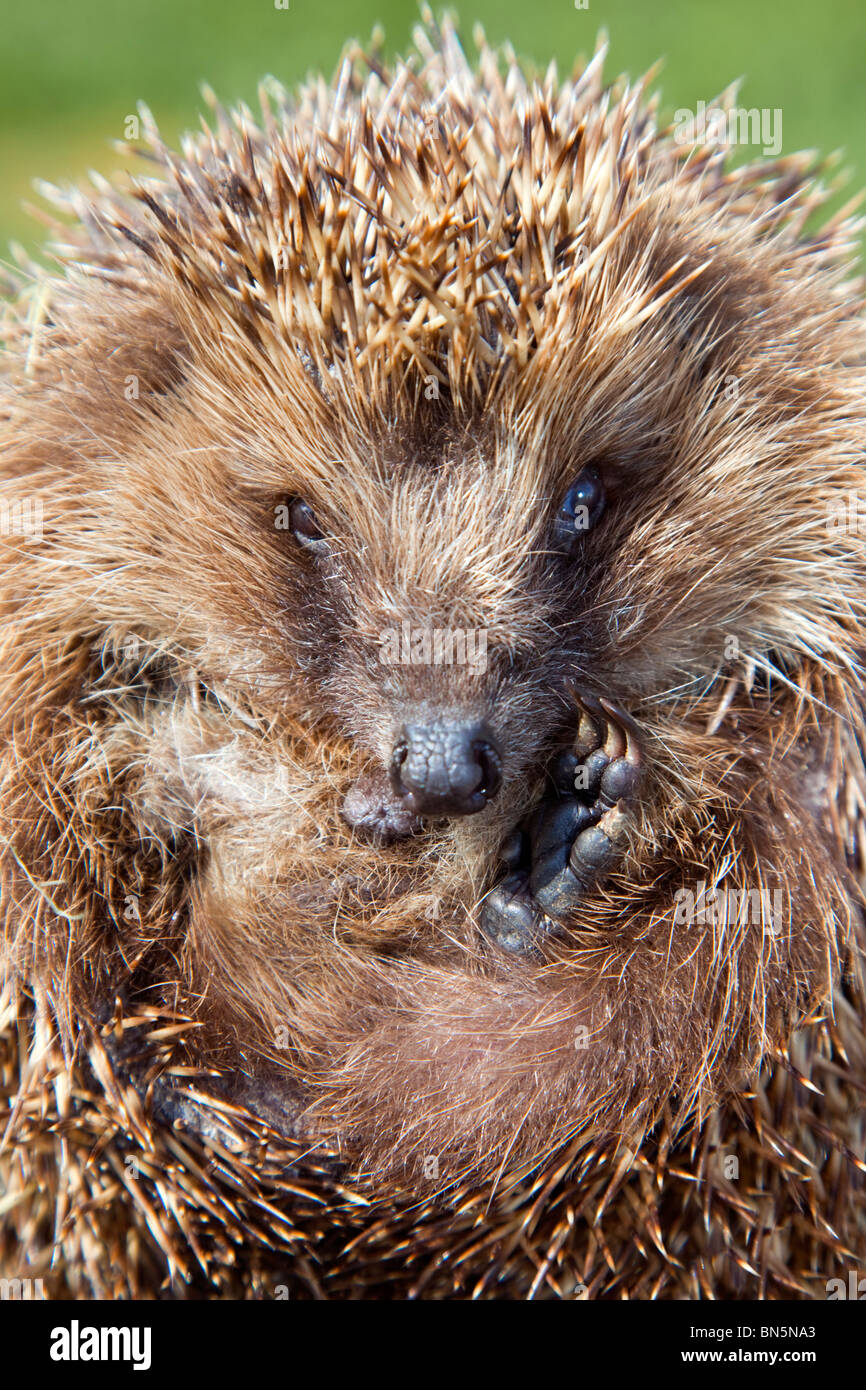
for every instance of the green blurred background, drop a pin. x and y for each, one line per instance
(72, 70)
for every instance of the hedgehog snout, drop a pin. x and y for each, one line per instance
(448, 767)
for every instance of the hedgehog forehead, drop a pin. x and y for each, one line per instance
(429, 235)
(430, 481)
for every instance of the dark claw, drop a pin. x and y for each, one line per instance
(627, 729)
(589, 732)
(621, 733)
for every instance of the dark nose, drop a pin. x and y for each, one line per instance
(446, 768)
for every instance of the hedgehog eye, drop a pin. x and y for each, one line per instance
(582, 506)
(304, 527)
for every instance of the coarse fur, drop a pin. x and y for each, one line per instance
(422, 300)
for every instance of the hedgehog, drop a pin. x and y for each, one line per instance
(432, 723)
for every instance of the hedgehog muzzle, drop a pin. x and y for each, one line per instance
(446, 768)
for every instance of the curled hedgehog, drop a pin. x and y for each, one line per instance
(432, 783)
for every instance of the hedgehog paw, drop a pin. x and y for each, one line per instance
(574, 836)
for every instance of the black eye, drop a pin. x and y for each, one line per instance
(304, 528)
(582, 506)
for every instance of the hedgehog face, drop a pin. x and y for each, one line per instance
(454, 623)
(446, 758)
(431, 593)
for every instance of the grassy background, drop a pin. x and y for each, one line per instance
(71, 72)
